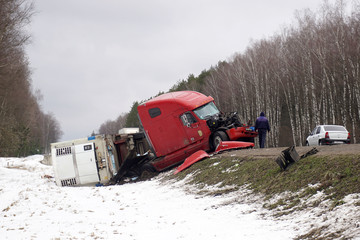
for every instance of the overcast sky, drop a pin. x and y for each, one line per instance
(92, 59)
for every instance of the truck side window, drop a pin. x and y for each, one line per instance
(154, 112)
(188, 119)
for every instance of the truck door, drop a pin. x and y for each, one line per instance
(166, 134)
(86, 163)
(63, 162)
(192, 128)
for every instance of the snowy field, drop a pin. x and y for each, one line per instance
(33, 207)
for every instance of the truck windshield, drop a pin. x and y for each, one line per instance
(206, 110)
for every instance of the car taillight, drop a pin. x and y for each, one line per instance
(349, 136)
(327, 135)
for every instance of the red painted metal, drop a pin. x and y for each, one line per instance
(166, 131)
(230, 145)
(197, 156)
(241, 132)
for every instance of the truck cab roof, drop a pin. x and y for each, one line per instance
(186, 99)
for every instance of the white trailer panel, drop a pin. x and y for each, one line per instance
(83, 161)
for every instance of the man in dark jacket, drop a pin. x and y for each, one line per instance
(262, 125)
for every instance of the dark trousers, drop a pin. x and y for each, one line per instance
(262, 137)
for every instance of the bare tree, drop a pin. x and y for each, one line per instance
(113, 127)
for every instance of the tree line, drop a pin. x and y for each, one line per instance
(307, 74)
(304, 76)
(24, 128)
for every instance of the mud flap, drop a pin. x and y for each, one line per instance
(232, 145)
(193, 158)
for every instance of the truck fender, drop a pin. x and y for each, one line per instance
(232, 145)
(193, 158)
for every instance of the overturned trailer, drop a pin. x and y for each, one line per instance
(97, 159)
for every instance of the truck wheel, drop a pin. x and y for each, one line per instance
(147, 171)
(218, 137)
(147, 167)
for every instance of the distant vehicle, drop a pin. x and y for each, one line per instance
(327, 135)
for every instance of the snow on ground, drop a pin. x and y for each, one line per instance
(33, 207)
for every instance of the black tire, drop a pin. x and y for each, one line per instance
(307, 143)
(148, 167)
(218, 137)
(147, 171)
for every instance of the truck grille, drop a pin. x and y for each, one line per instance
(63, 151)
(68, 182)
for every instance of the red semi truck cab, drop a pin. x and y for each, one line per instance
(178, 124)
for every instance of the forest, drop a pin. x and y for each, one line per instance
(24, 128)
(307, 74)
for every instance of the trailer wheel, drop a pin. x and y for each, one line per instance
(218, 137)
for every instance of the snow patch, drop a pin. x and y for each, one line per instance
(33, 207)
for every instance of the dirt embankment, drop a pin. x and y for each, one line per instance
(327, 150)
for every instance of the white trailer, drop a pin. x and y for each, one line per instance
(86, 161)
(101, 159)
